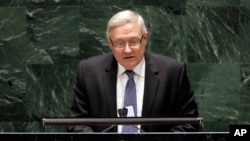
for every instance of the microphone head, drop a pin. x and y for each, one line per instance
(123, 112)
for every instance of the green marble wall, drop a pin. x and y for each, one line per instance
(41, 42)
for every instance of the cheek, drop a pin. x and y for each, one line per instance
(118, 55)
(142, 50)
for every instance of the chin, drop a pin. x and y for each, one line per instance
(129, 67)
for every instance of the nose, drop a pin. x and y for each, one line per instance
(127, 49)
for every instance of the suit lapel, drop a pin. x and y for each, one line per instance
(109, 83)
(151, 85)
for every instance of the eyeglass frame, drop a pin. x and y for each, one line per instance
(120, 48)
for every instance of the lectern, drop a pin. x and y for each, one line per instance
(143, 136)
(120, 121)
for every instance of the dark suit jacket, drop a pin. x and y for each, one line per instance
(167, 92)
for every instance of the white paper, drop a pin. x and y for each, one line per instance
(130, 111)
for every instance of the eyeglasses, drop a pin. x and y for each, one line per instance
(134, 43)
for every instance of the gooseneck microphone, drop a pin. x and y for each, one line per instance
(122, 113)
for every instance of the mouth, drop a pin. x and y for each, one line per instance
(128, 57)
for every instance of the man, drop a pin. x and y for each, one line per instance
(160, 85)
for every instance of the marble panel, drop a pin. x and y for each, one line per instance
(217, 90)
(213, 2)
(245, 2)
(13, 44)
(13, 126)
(12, 93)
(49, 94)
(245, 34)
(132, 2)
(105, 2)
(10, 3)
(12, 35)
(165, 32)
(49, 90)
(212, 34)
(245, 94)
(92, 29)
(30, 93)
(51, 2)
(54, 30)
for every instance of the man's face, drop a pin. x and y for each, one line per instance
(128, 44)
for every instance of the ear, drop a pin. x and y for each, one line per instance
(145, 38)
(109, 42)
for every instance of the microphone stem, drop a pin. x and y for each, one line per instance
(107, 129)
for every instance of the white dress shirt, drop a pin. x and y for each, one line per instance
(122, 78)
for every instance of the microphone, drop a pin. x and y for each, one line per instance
(122, 113)
(110, 127)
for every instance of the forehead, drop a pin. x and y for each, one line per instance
(127, 30)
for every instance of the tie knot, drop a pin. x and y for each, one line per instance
(130, 73)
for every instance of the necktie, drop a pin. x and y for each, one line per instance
(130, 99)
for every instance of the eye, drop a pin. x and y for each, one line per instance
(119, 44)
(133, 42)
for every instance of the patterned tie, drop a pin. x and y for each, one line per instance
(130, 99)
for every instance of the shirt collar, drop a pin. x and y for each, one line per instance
(139, 69)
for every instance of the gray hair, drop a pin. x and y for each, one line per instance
(124, 17)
